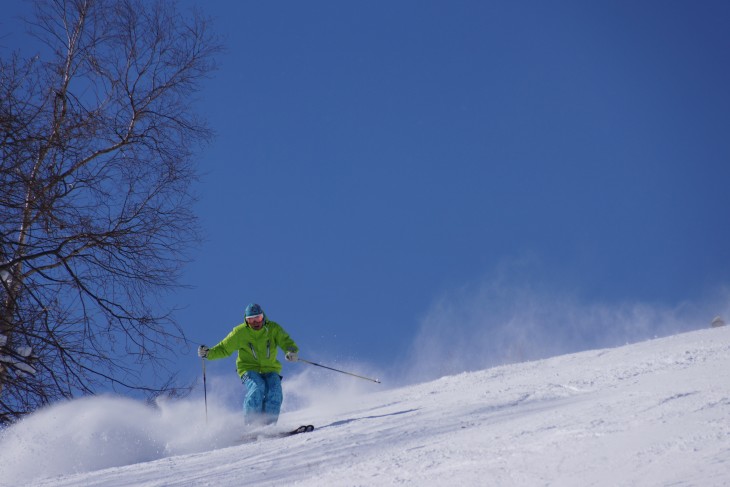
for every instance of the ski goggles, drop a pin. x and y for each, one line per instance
(255, 318)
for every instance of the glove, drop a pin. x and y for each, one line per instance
(203, 351)
(291, 356)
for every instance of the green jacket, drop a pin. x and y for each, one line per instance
(257, 350)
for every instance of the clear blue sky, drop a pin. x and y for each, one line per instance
(374, 157)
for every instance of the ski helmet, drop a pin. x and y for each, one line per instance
(253, 309)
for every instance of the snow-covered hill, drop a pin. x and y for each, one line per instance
(655, 413)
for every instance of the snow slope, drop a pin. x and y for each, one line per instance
(656, 413)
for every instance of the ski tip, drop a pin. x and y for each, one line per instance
(305, 428)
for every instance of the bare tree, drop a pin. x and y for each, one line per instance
(97, 138)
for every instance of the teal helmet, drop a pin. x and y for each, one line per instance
(253, 309)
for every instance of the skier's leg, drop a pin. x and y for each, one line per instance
(253, 404)
(274, 397)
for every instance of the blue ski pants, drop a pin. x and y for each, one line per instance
(263, 397)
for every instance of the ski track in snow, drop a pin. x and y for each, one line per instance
(656, 413)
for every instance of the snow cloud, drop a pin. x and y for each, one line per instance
(500, 322)
(93, 433)
(328, 391)
(107, 431)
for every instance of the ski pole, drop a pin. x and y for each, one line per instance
(340, 371)
(205, 393)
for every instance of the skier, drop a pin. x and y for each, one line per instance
(256, 341)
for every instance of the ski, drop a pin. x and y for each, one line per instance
(305, 428)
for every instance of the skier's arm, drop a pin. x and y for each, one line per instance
(285, 342)
(225, 348)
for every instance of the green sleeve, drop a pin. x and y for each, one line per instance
(226, 347)
(285, 342)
